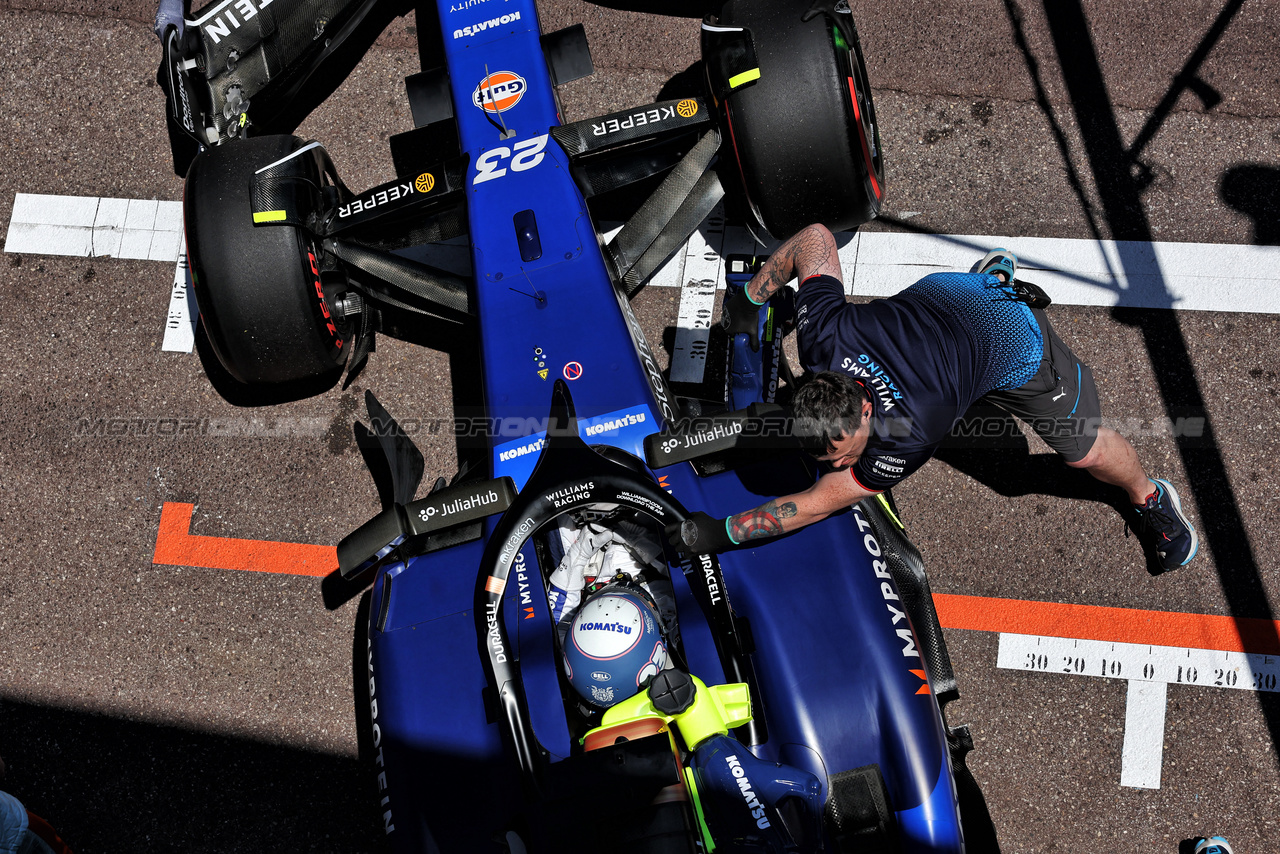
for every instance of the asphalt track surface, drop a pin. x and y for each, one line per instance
(149, 707)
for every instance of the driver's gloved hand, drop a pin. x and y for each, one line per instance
(700, 534)
(742, 314)
(171, 13)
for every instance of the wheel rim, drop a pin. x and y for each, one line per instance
(335, 329)
(866, 130)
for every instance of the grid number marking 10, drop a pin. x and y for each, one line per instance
(1149, 671)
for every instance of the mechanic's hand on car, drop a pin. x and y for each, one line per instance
(700, 534)
(742, 314)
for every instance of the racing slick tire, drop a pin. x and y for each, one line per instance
(804, 135)
(258, 289)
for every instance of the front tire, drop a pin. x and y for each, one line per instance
(259, 289)
(804, 134)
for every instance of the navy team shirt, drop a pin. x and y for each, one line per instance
(925, 355)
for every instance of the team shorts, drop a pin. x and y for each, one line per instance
(1060, 402)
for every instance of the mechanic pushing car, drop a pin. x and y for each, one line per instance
(893, 376)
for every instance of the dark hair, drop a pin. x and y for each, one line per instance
(826, 408)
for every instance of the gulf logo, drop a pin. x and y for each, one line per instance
(498, 92)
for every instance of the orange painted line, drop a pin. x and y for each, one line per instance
(177, 546)
(1118, 625)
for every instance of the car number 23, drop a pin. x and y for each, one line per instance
(525, 155)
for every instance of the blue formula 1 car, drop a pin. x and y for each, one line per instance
(545, 673)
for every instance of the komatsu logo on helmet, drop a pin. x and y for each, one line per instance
(604, 627)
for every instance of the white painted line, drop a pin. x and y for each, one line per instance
(703, 269)
(1148, 669)
(26, 238)
(1185, 276)
(88, 226)
(1142, 756)
(108, 226)
(70, 211)
(180, 328)
(1209, 668)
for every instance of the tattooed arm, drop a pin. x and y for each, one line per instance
(833, 491)
(703, 534)
(809, 252)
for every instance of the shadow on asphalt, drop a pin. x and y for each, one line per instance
(1121, 178)
(110, 785)
(1254, 190)
(988, 445)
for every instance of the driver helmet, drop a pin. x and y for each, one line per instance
(614, 645)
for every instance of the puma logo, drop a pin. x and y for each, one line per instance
(1063, 393)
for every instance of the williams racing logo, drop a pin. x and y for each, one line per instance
(874, 377)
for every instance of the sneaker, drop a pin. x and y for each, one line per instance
(999, 261)
(1215, 845)
(1161, 519)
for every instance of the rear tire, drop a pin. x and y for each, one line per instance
(258, 288)
(804, 134)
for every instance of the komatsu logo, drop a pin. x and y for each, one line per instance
(748, 794)
(605, 627)
(615, 424)
(531, 448)
(476, 29)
